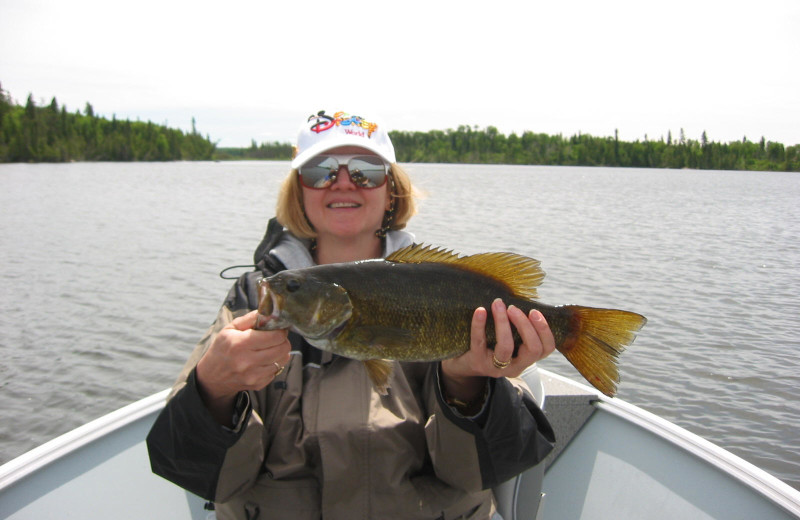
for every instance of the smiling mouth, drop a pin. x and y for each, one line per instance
(337, 205)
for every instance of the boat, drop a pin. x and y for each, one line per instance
(612, 460)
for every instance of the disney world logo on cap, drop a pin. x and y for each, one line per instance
(323, 132)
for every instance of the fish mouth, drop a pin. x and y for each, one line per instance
(268, 308)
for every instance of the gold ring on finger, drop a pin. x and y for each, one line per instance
(500, 364)
(278, 368)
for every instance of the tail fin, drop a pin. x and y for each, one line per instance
(596, 342)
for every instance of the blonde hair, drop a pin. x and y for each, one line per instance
(290, 212)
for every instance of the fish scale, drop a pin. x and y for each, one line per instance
(435, 301)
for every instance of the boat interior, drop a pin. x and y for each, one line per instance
(611, 460)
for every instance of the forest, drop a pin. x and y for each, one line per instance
(50, 133)
(472, 145)
(488, 146)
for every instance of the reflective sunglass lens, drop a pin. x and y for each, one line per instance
(365, 171)
(320, 172)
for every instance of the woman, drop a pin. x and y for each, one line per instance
(267, 426)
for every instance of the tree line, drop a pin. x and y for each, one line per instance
(488, 146)
(33, 133)
(273, 151)
(50, 133)
(473, 145)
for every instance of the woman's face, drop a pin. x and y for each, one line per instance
(343, 209)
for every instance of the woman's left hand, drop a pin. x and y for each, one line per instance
(464, 376)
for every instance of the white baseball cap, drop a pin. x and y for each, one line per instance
(323, 132)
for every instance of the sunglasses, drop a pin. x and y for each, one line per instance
(366, 171)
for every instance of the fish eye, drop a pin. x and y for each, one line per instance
(292, 285)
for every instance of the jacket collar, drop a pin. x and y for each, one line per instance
(294, 253)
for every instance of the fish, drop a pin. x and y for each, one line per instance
(417, 305)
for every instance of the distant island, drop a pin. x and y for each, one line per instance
(50, 133)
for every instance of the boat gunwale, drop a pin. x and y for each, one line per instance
(51, 451)
(725, 461)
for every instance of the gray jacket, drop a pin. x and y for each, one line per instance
(319, 441)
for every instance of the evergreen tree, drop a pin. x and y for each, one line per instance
(51, 133)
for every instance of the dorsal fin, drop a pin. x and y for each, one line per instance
(519, 273)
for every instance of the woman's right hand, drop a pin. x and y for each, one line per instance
(240, 358)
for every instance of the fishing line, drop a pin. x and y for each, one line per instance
(224, 277)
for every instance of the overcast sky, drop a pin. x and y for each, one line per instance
(254, 70)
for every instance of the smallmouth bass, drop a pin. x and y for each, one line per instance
(417, 305)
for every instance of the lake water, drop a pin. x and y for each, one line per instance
(109, 277)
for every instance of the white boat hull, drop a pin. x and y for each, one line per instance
(613, 460)
(100, 470)
(628, 463)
